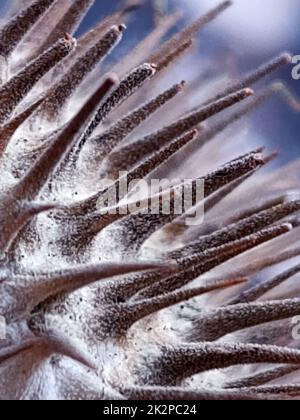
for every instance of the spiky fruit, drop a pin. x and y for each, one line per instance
(92, 311)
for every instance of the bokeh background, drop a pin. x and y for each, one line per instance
(243, 37)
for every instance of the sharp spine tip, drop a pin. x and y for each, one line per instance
(287, 57)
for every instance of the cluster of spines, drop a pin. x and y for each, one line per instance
(156, 288)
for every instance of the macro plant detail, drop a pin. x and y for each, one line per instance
(139, 305)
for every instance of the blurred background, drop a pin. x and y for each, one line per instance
(253, 32)
(244, 36)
